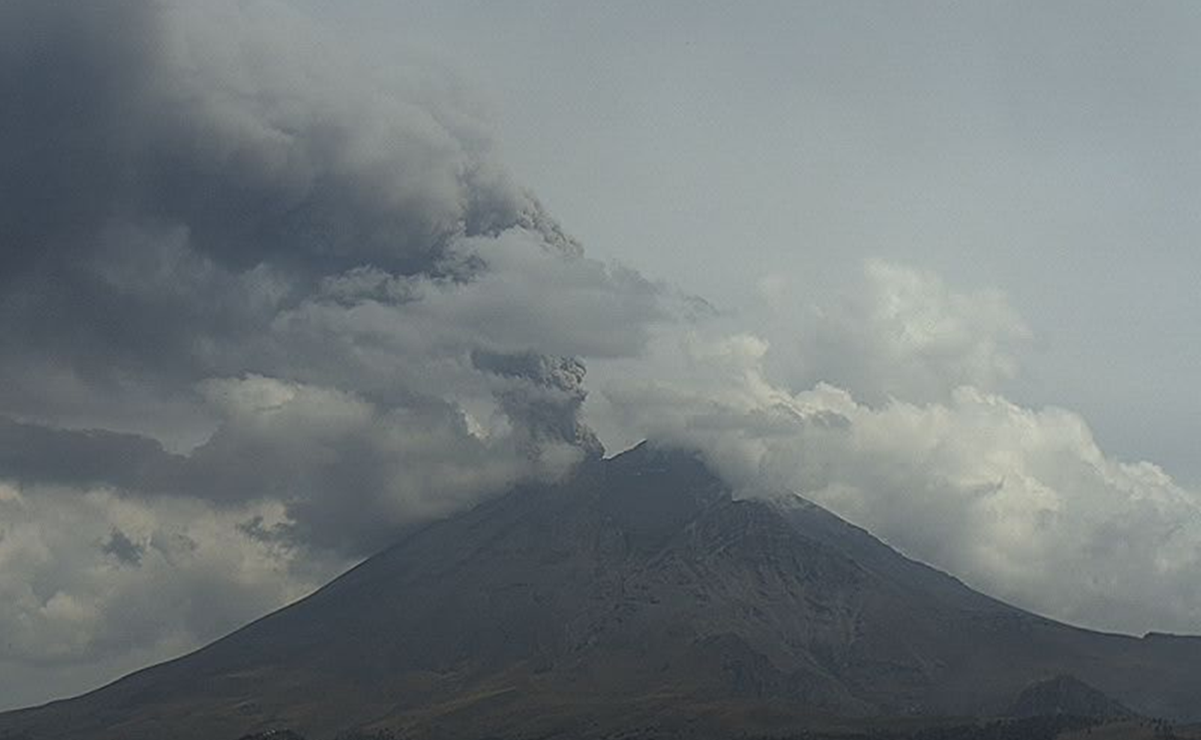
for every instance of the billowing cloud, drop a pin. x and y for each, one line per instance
(261, 306)
(178, 178)
(1020, 502)
(350, 472)
(900, 332)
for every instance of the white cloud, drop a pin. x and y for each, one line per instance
(69, 601)
(900, 332)
(1020, 502)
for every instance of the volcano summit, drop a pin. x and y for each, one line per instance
(639, 595)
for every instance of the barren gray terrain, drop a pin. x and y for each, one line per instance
(638, 596)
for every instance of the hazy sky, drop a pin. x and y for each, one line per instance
(1052, 150)
(277, 278)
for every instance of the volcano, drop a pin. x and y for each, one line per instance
(637, 597)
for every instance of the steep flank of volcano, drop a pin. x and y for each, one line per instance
(637, 595)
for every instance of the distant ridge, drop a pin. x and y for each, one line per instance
(1067, 695)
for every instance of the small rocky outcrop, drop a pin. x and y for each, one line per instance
(1067, 696)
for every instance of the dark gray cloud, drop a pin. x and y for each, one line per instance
(546, 397)
(126, 120)
(208, 193)
(261, 307)
(170, 190)
(31, 453)
(124, 549)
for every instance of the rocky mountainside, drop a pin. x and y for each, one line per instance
(1066, 695)
(637, 596)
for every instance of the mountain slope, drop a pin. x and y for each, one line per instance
(637, 594)
(1065, 695)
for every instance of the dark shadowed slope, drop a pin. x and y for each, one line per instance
(1066, 695)
(637, 594)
